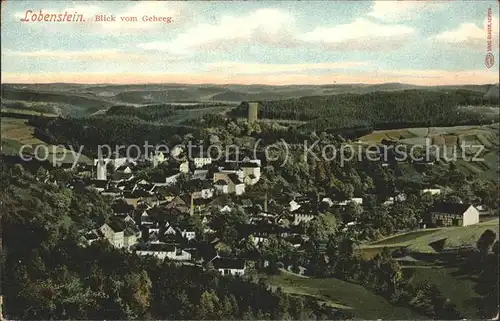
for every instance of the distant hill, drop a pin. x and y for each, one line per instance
(79, 99)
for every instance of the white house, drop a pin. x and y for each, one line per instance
(228, 183)
(293, 206)
(432, 191)
(202, 161)
(114, 233)
(302, 217)
(357, 200)
(251, 173)
(188, 234)
(170, 231)
(227, 266)
(454, 214)
(163, 251)
(205, 193)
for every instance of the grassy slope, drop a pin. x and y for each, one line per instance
(343, 295)
(418, 241)
(461, 291)
(16, 133)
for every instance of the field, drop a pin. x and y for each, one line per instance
(347, 296)
(27, 112)
(450, 141)
(419, 241)
(16, 133)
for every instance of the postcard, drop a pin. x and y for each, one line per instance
(249, 160)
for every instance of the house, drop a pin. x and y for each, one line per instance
(199, 156)
(204, 193)
(204, 189)
(293, 206)
(163, 251)
(432, 191)
(124, 169)
(92, 236)
(453, 214)
(251, 172)
(356, 200)
(187, 231)
(131, 236)
(170, 230)
(167, 180)
(179, 204)
(221, 186)
(302, 217)
(228, 183)
(99, 184)
(398, 198)
(114, 233)
(200, 174)
(228, 266)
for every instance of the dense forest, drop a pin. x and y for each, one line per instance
(378, 110)
(111, 130)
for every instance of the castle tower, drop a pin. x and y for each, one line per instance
(101, 170)
(252, 111)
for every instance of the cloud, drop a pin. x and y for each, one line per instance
(275, 28)
(361, 34)
(91, 55)
(470, 35)
(255, 68)
(402, 10)
(271, 27)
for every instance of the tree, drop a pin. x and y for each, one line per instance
(485, 241)
(321, 228)
(208, 306)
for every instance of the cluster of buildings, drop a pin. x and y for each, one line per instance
(155, 201)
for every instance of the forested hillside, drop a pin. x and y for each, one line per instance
(379, 109)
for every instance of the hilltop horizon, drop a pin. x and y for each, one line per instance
(246, 85)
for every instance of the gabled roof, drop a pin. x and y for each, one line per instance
(117, 225)
(99, 183)
(221, 182)
(249, 165)
(123, 167)
(450, 208)
(227, 263)
(234, 178)
(177, 201)
(157, 247)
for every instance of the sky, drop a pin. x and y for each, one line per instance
(251, 42)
